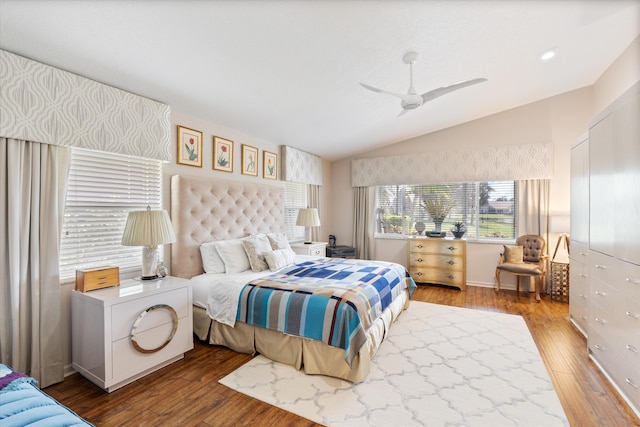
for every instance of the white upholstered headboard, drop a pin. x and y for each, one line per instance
(205, 209)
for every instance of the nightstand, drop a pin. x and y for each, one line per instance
(123, 333)
(314, 248)
(341, 251)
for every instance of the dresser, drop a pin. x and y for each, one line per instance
(122, 333)
(313, 248)
(613, 260)
(439, 261)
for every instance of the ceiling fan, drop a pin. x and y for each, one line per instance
(411, 100)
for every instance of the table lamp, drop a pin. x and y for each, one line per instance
(148, 229)
(308, 218)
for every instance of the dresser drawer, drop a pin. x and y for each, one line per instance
(437, 246)
(579, 251)
(437, 275)
(127, 361)
(601, 266)
(627, 278)
(452, 262)
(579, 315)
(125, 314)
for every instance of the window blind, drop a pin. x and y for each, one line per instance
(295, 197)
(102, 189)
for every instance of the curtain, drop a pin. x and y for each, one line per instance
(31, 209)
(363, 222)
(314, 202)
(533, 209)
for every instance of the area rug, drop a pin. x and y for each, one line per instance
(439, 366)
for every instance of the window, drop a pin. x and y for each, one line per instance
(295, 197)
(102, 189)
(488, 209)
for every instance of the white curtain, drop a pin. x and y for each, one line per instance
(314, 202)
(31, 209)
(363, 222)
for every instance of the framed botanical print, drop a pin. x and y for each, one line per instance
(249, 160)
(189, 147)
(222, 154)
(269, 165)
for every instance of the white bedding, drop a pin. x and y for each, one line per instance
(218, 293)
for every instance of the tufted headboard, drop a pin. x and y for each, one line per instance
(205, 209)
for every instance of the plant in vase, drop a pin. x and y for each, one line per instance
(438, 208)
(458, 229)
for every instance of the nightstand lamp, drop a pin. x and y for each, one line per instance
(148, 229)
(308, 218)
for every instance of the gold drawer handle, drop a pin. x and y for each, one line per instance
(632, 314)
(134, 329)
(630, 382)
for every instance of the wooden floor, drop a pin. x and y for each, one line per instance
(187, 392)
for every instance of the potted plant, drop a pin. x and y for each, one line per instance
(458, 229)
(438, 208)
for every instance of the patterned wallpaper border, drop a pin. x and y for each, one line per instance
(511, 162)
(45, 104)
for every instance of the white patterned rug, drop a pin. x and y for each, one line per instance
(439, 366)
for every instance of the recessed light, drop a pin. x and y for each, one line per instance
(548, 54)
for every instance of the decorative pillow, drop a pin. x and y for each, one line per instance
(233, 255)
(256, 247)
(278, 241)
(279, 258)
(211, 261)
(513, 254)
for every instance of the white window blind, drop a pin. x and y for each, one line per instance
(487, 209)
(295, 197)
(102, 189)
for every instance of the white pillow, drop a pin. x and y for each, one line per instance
(256, 246)
(278, 241)
(211, 261)
(233, 255)
(279, 258)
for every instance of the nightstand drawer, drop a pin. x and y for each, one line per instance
(124, 315)
(436, 275)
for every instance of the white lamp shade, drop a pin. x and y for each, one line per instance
(148, 228)
(308, 218)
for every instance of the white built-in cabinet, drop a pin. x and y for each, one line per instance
(579, 255)
(613, 259)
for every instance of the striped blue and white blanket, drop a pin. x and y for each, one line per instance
(331, 300)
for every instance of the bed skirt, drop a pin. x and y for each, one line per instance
(309, 356)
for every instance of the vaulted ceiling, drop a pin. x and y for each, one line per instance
(288, 72)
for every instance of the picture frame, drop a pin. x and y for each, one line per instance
(222, 154)
(269, 165)
(249, 160)
(189, 147)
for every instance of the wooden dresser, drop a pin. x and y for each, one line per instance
(440, 261)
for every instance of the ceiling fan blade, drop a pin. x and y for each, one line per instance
(402, 113)
(375, 89)
(432, 94)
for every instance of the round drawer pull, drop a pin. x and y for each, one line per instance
(134, 329)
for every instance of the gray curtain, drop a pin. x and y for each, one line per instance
(533, 209)
(31, 209)
(314, 202)
(363, 222)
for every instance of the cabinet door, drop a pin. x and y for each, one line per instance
(626, 136)
(580, 192)
(601, 183)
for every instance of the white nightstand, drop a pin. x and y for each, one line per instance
(123, 333)
(314, 248)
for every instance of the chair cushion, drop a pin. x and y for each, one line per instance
(513, 254)
(521, 268)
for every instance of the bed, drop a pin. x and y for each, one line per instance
(205, 212)
(23, 403)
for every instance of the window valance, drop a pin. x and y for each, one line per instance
(510, 162)
(44, 104)
(300, 166)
